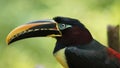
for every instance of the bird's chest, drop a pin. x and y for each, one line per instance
(60, 56)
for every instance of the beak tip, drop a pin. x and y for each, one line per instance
(7, 42)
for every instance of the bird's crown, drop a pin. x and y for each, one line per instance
(67, 20)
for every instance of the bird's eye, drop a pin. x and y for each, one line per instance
(63, 26)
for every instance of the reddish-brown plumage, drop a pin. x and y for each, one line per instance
(75, 36)
(114, 53)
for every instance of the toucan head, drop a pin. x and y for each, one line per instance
(58, 27)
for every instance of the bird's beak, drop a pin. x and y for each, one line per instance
(34, 29)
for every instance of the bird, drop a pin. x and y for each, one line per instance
(75, 46)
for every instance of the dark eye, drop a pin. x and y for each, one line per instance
(63, 25)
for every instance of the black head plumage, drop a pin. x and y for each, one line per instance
(67, 20)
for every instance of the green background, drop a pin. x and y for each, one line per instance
(37, 52)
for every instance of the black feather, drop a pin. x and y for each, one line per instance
(67, 20)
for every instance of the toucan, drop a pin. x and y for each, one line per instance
(75, 46)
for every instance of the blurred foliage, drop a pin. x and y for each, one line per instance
(35, 52)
